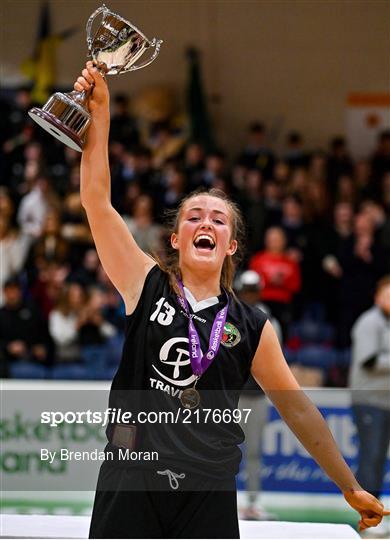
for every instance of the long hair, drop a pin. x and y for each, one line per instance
(171, 264)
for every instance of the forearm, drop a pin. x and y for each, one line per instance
(309, 426)
(95, 185)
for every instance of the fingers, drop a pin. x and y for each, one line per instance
(372, 522)
(93, 73)
(386, 512)
(89, 77)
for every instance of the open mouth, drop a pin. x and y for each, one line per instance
(204, 242)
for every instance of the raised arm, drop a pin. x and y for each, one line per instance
(271, 371)
(124, 262)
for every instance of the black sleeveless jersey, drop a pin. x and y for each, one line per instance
(156, 368)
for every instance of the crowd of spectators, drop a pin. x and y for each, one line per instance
(318, 234)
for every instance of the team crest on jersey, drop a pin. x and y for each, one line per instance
(231, 335)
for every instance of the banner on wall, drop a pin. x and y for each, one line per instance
(368, 114)
(287, 466)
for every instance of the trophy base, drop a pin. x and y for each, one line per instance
(52, 125)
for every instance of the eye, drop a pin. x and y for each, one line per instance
(219, 221)
(193, 218)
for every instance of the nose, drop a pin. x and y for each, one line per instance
(206, 223)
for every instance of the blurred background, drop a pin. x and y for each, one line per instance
(285, 106)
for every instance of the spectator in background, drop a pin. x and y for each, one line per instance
(174, 188)
(17, 113)
(369, 382)
(215, 167)
(50, 246)
(294, 227)
(253, 207)
(164, 143)
(26, 167)
(256, 154)
(14, 245)
(385, 193)
(330, 249)
(18, 130)
(35, 205)
(94, 329)
(380, 162)
(126, 171)
(316, 203)
(146, 233)
(75, 229)
(273, 195)
(23, 334)
(64, 322)
(248, 287)
(317, 167)
(346, 190)
(362, 179)
(123, 127)
(339, 162)
(362, 262)
(279, 273)
(87, 272)
(193, 164)
(299, 182)
(295, 155)
(48, 284)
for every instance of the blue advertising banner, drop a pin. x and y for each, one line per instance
(287, 466)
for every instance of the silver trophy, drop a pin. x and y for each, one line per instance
(114, 49)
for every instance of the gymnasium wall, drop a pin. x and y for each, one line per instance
(289, 63)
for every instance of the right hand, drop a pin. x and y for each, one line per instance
(371, 510)
(91, 80)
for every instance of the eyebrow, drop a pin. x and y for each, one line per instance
(197, 209)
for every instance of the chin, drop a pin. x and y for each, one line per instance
(205, 261)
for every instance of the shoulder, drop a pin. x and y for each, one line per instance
(368, 319)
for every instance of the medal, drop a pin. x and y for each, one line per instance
(190, 397)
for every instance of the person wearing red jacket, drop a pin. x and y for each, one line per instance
(280, 274)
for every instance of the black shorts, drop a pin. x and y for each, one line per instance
(152, 504)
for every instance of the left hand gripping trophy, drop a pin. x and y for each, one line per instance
(114, 49)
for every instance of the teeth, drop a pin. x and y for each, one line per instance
(205, 237)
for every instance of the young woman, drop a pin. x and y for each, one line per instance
(172, 316)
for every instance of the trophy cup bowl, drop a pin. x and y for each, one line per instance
(115, 48)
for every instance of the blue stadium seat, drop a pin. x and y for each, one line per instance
(344, 358)
(317, 356)
(309, 331)
(290, 355)
(27, 370)
(71, 372)
(114, 348)
(94, 356)
(314, 311)
(106, 374)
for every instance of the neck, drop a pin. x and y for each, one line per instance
(202, 284)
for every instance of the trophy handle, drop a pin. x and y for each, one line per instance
(156, 43)
(102, 9)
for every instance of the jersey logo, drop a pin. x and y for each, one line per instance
(231, 336)
(177, 356)
(164, 312)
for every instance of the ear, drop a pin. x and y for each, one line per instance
(232, 248)
(174, 241)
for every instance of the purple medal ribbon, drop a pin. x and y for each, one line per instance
(200, 364)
